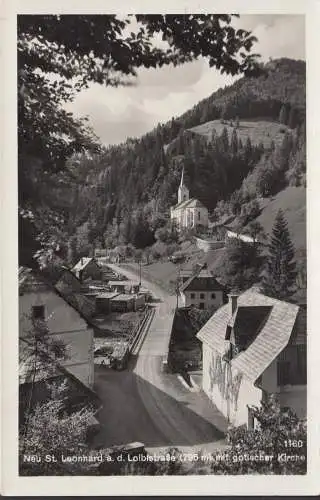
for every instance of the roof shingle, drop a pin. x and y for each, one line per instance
(273, 337)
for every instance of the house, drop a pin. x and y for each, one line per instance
(87, 268)
(77, 396)
(202, 290)
(124, 286)
(254, 346)
(122, 303)
(76, 294)
(42, 305)
(103, 304)
(189, 212)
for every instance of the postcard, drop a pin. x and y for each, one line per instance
(156, 320)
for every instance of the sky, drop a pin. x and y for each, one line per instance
(159, 94)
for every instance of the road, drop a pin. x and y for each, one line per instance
(145, 404)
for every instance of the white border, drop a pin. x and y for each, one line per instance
(204, 485)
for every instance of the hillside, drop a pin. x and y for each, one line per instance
(259, 131)
(292, 201)
(123, 196)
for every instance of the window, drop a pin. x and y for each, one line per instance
(283, 375)
(199, 215)
(201, 305)
(192, 295)
(213, 295)
(37, 312)
(201, 295)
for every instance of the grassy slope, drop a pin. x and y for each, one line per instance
(292, 201)
(258, 130)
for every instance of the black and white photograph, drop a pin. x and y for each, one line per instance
(162, 256)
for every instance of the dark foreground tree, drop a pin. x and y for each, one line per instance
(280, 274)
(60, 55)
(52, 435)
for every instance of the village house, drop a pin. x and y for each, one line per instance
(122, 303)
(40, 303)
(76, 397)
(87, 268)
(189, 212)
(124, 286)
(202, 290)
(252, 347)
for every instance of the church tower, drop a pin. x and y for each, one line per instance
(183, 191)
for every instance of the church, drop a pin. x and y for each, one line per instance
(189, 212)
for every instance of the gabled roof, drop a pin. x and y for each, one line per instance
(201, 280)
(191, 203)
(82, 264)
(272, 338)
(26, 365)
(75, 300)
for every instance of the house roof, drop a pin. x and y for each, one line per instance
(75, 300)
(26, 365)
(122, 283)
(122, 297)
(106, 295)
(82, 264)
(273, 336)
(201, 280)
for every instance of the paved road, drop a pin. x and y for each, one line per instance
(144, 404)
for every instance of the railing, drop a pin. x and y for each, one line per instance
(141, 330)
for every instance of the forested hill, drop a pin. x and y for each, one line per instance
(256, 125)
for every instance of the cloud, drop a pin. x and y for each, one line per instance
(160, 94)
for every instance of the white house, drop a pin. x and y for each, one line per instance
(202, 290)
(87, 268)
(252, 347)
(189, 212)
(40, 302)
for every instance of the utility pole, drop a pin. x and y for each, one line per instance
(140, 270)
(178, 287)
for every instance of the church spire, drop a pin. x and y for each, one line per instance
(182, 178)
(183, 191)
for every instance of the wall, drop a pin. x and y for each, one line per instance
(243, 237)
(209, 303)
(65, 324)
(228, 389)
(92, 270)
(207, 245)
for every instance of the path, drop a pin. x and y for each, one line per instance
(144, 404)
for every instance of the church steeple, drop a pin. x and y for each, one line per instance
(183, 191)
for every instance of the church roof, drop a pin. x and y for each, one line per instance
(192, 203)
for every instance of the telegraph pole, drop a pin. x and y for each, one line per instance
(140, 270)
(178, 287)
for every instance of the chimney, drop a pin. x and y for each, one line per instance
(233, 301)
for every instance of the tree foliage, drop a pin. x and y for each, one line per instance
(53, 432)
(60, 55)
(241, 264)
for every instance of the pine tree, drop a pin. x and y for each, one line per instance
(283, 116)
(234, 142)
(280, 275)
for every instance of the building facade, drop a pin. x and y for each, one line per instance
(39, 301)
(203, 291)
(189, 212)
(253, 347)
